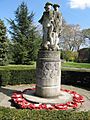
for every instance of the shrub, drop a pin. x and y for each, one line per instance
(69, 55)
(84, 55)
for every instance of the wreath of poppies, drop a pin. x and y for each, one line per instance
(18, 99)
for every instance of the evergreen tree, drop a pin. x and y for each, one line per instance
(3, 44)
(25, 36)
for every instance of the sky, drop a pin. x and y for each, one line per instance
(73, 11)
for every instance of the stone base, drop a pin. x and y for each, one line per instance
(47, 92)
(48, 74)
(63, 98)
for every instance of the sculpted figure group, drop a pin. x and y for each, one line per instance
(51, 21)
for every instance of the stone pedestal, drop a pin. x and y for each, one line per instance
(48, 80)
(48, 74)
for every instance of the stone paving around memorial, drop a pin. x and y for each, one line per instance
(6, 92)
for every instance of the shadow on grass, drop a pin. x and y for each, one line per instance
(78, 85)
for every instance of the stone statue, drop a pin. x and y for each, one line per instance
(46, 21)
(57, 25)
(51, 21)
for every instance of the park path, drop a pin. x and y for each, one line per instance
(6, 92)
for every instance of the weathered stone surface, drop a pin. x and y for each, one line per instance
(48, 74)
(63, 98)
(51, 21)
(49, 54)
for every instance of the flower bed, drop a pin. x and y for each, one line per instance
(21, 102)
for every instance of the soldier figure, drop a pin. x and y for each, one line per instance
(57, 24)
(46, 21)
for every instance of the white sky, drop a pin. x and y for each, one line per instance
(81, 4)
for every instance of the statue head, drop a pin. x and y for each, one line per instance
(48, 6)
(56, 7)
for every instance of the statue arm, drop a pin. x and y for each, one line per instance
(60, 25)
(40, 21)
(61, 20)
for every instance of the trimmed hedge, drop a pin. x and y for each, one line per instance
(14, 77)
(26, 75)
(13, 114)
(76, 76)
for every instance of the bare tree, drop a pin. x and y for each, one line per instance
(71, 38)
(86, 33)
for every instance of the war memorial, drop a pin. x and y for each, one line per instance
(48, 68)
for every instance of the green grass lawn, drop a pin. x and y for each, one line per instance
(25, 114)
(76, 65)
(66, 64)
(18, 67)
